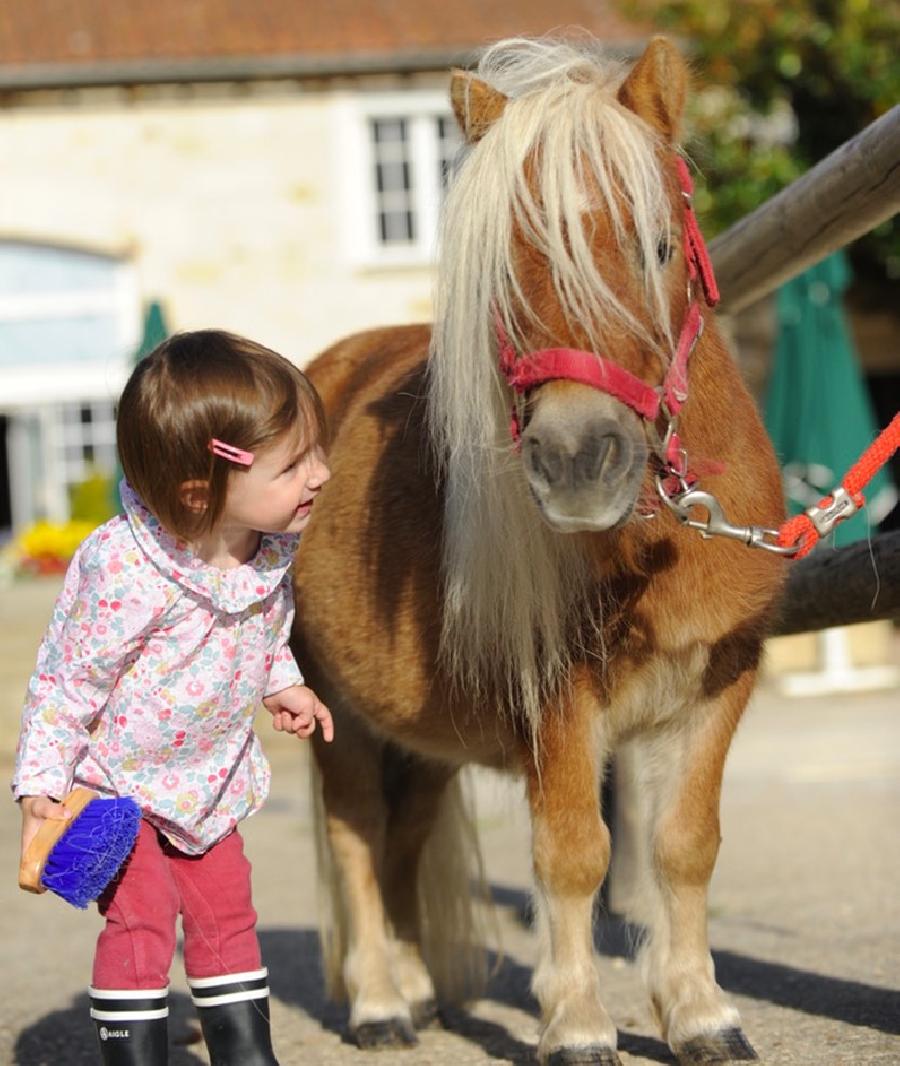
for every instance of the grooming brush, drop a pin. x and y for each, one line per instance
(78, 858)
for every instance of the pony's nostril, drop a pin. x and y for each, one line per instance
(596, 454)
(602, 455)
(545, 460)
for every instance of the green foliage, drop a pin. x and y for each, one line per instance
(831, 64)
(92, 500)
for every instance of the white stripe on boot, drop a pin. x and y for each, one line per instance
(115, 1005)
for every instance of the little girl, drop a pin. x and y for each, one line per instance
(171, 627)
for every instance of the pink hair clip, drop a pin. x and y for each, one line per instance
(229, 452)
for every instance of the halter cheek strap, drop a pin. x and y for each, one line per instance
(590, 368)
(699, 263)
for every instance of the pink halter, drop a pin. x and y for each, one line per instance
(589, 368)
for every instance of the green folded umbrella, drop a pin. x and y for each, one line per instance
(817, 408)
(154, 333)
(155, 330)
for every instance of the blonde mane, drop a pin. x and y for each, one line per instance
(511, 583)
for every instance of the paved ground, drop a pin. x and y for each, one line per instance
(805, 913)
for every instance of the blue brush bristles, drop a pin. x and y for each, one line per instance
(92, 849)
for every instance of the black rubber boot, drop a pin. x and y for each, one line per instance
(132, 1026)
(234, 1017)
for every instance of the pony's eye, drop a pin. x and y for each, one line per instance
(663, 250)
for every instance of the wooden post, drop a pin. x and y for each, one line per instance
(841, 198)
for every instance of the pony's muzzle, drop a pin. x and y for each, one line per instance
(599, 454)
(584, 459)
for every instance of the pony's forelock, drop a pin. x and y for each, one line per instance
(512, 583)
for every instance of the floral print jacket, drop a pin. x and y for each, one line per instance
(149, 676)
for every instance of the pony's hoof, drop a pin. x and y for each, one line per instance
(728, 1045)
(425, 1014)
(589, 1055)
(390, 1034)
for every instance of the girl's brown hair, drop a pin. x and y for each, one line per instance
(200, 385)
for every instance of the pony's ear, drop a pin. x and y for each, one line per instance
(476, 105)
(656, 87)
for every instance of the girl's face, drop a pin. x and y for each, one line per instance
(276, 494)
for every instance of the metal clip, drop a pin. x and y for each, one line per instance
(661, 442)
(826, 518)
(716, 524)
(665, 449)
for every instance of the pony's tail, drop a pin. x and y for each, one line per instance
(332, 915)
(456, 919)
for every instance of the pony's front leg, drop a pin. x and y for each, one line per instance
(681, 780)
(571, 856)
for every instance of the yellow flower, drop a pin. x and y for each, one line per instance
(51, 540)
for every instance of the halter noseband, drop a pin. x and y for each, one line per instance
(590, 368)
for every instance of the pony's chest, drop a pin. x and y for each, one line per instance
(654, 692)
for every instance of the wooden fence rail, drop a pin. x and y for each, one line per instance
(859, 583)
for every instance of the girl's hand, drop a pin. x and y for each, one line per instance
(35, 811)
(297, 709)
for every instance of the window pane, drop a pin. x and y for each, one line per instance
(389, 129)
(394, 207)
(396, 227)
(86, 440)
(392, 177)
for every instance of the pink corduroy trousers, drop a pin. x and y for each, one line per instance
(141, 906)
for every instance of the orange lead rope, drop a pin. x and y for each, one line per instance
(803, 532)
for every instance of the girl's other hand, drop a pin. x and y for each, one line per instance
(297, 709)
(35, 811)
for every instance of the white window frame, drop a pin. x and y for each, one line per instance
(360, 240)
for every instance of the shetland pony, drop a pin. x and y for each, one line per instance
(525, 599)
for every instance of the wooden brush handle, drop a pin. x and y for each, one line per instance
(31, 868)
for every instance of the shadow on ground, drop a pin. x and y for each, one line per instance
(295, 974)
(295, 978)
(68, 1036)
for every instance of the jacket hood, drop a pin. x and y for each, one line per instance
(230, 591)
